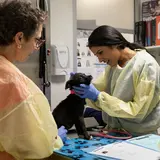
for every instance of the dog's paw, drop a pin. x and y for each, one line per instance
(91, 138)
(88, 137)
(81, 136)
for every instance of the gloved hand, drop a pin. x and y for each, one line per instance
(62, 132)
(72, 73)
(86, 91)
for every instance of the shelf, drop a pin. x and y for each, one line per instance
(153, 47)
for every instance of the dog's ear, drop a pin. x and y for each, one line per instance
(68, 84)
(90, 77)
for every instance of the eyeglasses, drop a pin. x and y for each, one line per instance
(39, 42)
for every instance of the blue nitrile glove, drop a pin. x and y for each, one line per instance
(62, 132)
(86, 91)
(72, 73)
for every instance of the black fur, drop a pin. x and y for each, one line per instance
(70, 110)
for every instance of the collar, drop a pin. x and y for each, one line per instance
(72, 92)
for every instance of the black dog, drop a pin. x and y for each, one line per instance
(70, 110)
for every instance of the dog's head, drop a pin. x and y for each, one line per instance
(77, 79)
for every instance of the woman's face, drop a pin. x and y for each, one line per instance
(109, 55)
(28, 47)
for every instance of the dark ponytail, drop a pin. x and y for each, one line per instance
(109, 36)
(134, 46)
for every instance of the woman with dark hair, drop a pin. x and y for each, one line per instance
(27, 128)
(128, 91)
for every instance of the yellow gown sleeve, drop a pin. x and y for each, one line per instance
(30, 132)
(145, 98)
(27, 128)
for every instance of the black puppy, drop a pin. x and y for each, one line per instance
(70, 110)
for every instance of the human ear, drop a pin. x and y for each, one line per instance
(19, 38)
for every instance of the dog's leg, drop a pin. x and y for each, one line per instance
(81, 128)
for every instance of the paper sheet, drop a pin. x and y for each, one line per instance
(126, 151)
(150, 141)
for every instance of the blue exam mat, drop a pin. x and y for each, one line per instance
(77, 148)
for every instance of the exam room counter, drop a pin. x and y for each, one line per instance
(76, 148)
(55, 156)
(90, 122)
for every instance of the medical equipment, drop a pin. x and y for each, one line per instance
(60, 60)
(114, 134)
(43, 63)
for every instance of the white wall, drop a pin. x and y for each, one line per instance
(62, 19)
(117, 13)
